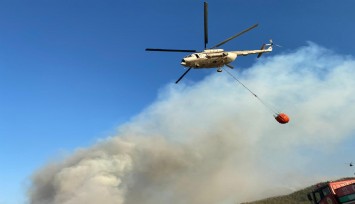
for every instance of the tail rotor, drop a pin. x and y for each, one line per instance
(267, 47)
(272, 44)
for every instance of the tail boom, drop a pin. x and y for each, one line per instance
(259, 52)
(248, 52)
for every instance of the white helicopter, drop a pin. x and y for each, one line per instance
(214, 57)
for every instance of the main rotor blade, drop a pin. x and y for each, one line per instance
(182, 76)
(206, 22)
(234, 36)
(168, 50)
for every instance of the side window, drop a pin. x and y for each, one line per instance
(197, 56)
(326, 191)
(317, 196)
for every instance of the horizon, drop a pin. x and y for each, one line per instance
(75, 74)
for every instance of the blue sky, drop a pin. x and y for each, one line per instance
(72, 71)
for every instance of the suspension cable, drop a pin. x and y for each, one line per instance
(273, 110)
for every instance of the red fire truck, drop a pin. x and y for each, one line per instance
(335, 192)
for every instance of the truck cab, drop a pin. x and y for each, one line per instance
(335, 192)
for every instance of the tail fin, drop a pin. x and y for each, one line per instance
(268, 49)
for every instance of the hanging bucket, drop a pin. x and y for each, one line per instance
(282, 118)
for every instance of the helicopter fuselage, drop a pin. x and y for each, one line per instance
(211, 58)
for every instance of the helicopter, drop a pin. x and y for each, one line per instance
(214, 57)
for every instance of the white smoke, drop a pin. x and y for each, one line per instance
(213, 142)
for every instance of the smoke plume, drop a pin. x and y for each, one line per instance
(214, 142)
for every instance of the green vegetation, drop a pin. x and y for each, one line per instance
(298, 197)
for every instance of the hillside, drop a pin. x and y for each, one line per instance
(298, 197)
